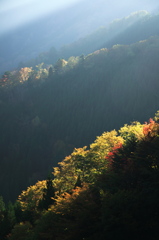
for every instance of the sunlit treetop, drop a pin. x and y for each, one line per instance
(30, 198)
(136, 129)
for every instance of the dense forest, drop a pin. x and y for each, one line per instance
(52, 107)
(107, 191)
(46, 112)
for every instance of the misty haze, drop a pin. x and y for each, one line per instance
(79, 112)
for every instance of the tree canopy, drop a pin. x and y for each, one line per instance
(116, 195)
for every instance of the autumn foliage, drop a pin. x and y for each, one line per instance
(151, 128)
(99, 192)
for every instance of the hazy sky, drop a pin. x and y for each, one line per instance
(15, 13)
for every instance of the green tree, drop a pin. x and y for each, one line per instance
(22, 231)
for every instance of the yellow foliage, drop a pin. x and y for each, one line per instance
(29, 198)
(65, 176)
(85, 163)
(25, 73)
(135, 128)
(104, 143)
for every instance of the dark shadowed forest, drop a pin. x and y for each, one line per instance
(77, 159)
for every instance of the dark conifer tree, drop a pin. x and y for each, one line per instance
(48, 195)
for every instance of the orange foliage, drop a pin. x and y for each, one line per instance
(150, 128)
(64, 201)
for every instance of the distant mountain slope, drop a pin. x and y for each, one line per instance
(54, 30)
(58, 29)
(43, 119)
(107, 36)
(133, 28)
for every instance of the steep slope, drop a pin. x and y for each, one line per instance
(42, 120)
(61, 32)
(133, 28)
(107, 191)
(54, 29)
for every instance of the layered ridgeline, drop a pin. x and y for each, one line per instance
(48, 110)
(107, 191)
(35, 41)
(133, 28)
(54, 30)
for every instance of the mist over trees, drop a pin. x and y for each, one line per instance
(133, 28)
(65, 110)
(46, 112)
(64, 27)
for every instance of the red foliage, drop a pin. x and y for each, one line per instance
(148, 127)
(114, 151)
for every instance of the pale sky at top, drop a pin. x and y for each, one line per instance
(44, 5)
(14, 13)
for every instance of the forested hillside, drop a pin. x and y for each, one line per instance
(68, 169)
(48, 110)
(27, 38)
(30, 45)
(107, 191)
(133, 28)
